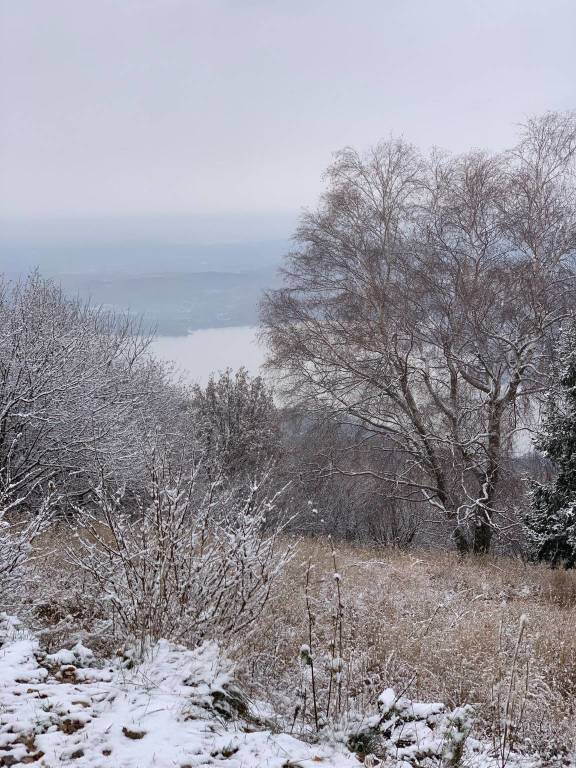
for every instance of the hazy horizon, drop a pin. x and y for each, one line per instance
(159, 108)
(179, 274)
(155, 154)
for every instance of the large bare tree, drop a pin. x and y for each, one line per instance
(420, 301)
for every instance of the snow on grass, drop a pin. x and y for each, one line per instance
(181, 708)
(173, 710)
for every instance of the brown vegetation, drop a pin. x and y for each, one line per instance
(435, 626)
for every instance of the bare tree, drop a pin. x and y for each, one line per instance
(420, 302)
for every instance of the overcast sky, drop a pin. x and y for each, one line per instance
(141, 107)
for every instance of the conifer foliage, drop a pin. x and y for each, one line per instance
(551, 522)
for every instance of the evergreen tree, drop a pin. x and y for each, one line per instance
(551, 522)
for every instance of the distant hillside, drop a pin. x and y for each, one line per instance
(175, 303)
(172, 272)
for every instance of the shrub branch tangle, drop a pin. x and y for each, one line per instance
(18, 532)
(236, 425)
(419, 302)
(183, 562)
(77, 393)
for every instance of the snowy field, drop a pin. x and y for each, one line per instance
(65, 709)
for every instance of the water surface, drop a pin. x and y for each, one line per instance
(210, 350)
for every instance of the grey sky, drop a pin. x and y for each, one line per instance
(130, 107)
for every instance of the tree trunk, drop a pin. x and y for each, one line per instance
(476, 542)
(482, 536)
(461, 539)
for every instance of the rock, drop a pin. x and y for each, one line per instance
(32, 758)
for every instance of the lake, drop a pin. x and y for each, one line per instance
(213, 349)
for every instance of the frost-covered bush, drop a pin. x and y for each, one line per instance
(236, 424)
(413, 733)
(183, 561)
(77, 392)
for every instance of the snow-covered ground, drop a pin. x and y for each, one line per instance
(180, 709)
(171, 711)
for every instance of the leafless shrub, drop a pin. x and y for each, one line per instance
(77, 393)
(182, 561)
(236, 425)
(355, 506)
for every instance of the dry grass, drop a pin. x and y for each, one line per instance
(437, 626)
(428, 624)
